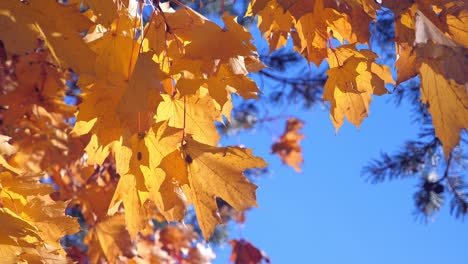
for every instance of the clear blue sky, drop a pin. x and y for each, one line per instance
(328, 213)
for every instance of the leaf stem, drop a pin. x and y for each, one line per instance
(333, 50)
(133, 42)
(183, 126)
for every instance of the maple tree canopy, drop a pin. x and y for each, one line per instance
(141, 141)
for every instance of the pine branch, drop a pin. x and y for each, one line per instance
(407, 163)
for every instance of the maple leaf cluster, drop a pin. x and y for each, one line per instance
(143, 136)
(141, 141)
(430, 39)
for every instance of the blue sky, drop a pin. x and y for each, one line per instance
(328, 213)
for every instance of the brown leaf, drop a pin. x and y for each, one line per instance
(243, 252)
(288, 147)
(176, 239)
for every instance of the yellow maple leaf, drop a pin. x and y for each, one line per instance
(97, 115)
(113, 106)
(16, 235)
(50, 219)
(109, 239)
(14, 227)
(36, 83)
(117, 55)
(157, 36)
(166, 194)
(128, 192)
(38, 19)
(210, 42)
(225, 82)
(456, 18)
(444, 90)
(311, 23)
(443, 66)
(275, 24)
(196, 115)
(405, 64)
(145, 149)
(141, 96)
(217, 172)
(34, 220)
(448, 104)
(95, 209)
(136, 160)
(352, 78)
(314, 30)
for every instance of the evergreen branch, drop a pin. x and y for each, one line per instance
(406, 163)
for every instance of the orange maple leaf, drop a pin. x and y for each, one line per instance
(287, 147)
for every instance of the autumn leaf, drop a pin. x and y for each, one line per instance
(210, 42)
(168, 187)
(38, 20)
(197, 115)
(149, 91)
(127, 193)
(443, 67)
(172, 244)
(150, 251)
(297, 8)
(142, 95)
(312, 23)
(447, 103)
(456, 17)
(406, 64)
(287, 147)
(225, 82)
(313, 31)
(137, 160)
(108, 239)
(100, 98)
(444, 90)
(177, 239)
(49, 218)
(35, 221)
(275, 24)
(117, 55)
(214, 171)
(15, 227)
(352, 78)
(243, 252)
(35, 83)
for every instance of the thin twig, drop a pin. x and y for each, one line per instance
(291, 81)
